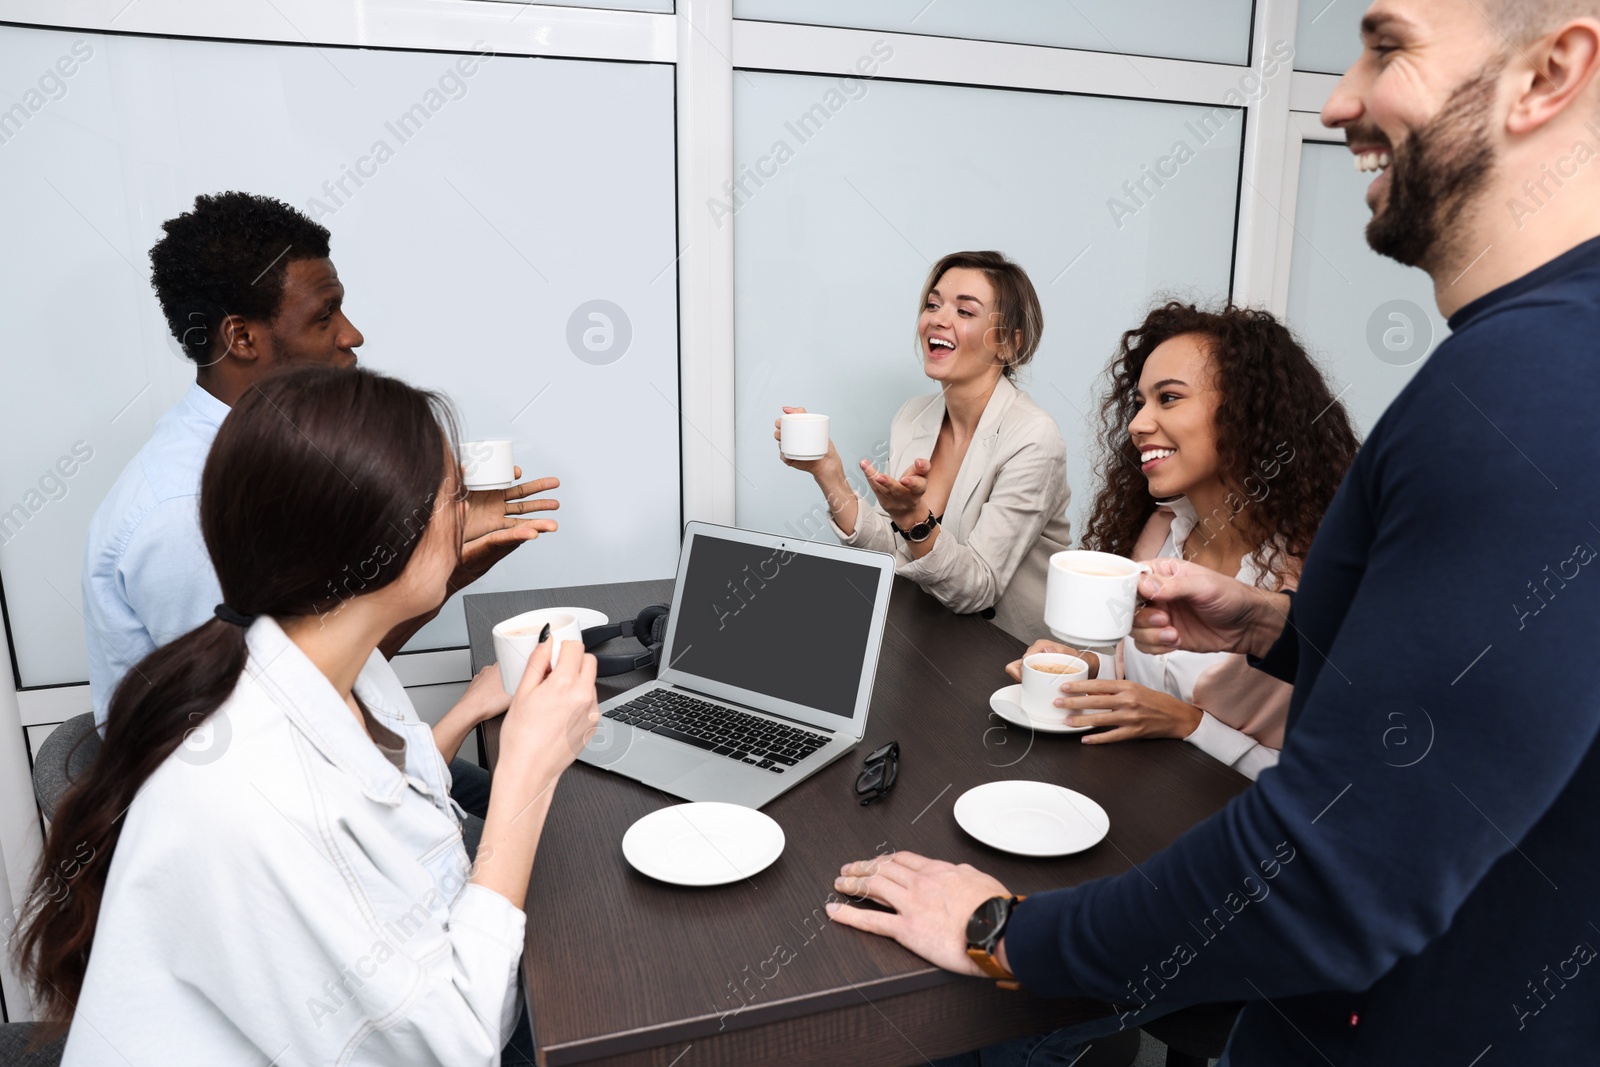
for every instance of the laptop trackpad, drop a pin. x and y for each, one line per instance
(657, 762)
(721, 779)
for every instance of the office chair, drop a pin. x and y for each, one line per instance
(14, 1038)
(65, 754)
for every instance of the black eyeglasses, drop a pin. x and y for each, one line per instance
(879, 774)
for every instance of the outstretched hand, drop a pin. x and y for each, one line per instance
(495, 525)
(900, 497)
(493, 510)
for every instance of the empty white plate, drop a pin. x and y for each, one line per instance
(1032, 818)
(705, 843)
(1007, 703)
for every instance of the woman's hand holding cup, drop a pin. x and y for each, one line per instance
(553, 714)
(1014, 668)
(819, 466)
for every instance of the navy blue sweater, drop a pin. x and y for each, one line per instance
(1418, 880)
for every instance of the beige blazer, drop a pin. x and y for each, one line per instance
(1005, 518)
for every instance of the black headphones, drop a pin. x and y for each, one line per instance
(649, 627)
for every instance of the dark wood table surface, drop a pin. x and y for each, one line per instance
(622, 969)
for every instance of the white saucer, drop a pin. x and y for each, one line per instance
(705, 843)
(587, 617)
(1032, 818)
(1007, 703)
(486, 486)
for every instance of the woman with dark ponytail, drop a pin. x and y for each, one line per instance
(296, 891)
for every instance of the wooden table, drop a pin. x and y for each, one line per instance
(622, 969)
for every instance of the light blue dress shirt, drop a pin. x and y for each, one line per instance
(147, 577)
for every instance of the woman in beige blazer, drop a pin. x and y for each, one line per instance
(982, 503)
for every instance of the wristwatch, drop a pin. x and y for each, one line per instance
(984, 931)
(921, 531)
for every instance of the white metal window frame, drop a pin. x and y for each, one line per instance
(1305, 127)
(707, 46)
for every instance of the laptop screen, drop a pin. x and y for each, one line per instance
(791, 626)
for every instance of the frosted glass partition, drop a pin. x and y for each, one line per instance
(1370, 321)
(1217, 31)
(613, 5)
(474, 245)
(1328, 38)
(830, 250)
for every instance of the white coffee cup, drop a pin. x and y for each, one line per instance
(1040, 688)
(1090, 597)
(803, 435)
(516, 638)
(488, 463)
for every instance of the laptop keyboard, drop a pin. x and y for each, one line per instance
(725, 731)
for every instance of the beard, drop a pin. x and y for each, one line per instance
(1434, 175)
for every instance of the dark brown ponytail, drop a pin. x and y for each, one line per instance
(317, 489)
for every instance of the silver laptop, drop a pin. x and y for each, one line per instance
(765, 674)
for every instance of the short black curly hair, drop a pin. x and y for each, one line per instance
(228, 257)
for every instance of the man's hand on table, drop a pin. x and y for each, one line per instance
(1194, 608)
(932, 901)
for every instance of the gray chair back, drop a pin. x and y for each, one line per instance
(14, 1052)
(65, 754)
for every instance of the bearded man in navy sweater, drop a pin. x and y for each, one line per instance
(1372, 905)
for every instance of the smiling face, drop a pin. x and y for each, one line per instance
(1418, 108)
(310, 326)
(959, 340)
(1175, 427)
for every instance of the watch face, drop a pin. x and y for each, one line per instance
(984, 922)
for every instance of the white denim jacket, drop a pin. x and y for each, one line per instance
(282, 893)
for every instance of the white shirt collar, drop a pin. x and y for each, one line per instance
(306, 697)
(1184, 521)
(204, 405)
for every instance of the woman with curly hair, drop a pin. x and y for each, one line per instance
(1222, 445)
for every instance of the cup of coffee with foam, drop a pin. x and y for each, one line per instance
(1043, 674)
(1090, 597)
(517, 637)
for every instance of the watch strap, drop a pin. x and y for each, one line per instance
(928, 525)
(983, 954)
(991, 967)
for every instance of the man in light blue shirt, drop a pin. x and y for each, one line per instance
(247, 287)
(146, 576)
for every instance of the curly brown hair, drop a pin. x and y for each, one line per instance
(1276, 415)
